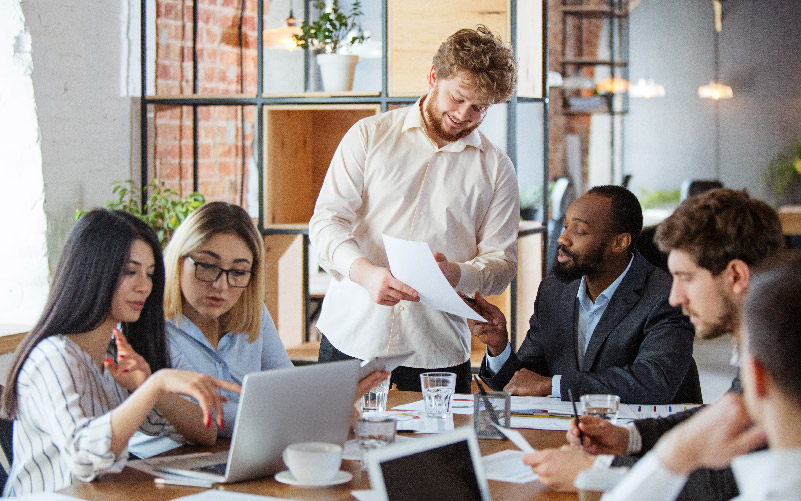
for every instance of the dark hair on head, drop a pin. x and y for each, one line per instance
(626, 212)
(489, 63)
(719, 225)
(87, 275)
(773, 320)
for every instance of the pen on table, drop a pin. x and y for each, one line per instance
(186, 482)
(575, 415)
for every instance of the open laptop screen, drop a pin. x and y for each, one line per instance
(443, 467)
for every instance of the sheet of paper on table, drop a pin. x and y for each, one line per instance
(460, 404)
(507, 466)
(413, 264)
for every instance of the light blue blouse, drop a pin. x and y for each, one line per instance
(231, 361)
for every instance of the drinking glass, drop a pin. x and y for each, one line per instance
(603, 406)
(373, 432)
(438, 388)
(375, 400)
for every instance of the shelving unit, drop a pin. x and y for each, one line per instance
(296, 135)
(586, 63)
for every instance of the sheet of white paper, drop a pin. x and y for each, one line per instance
(461, 403)
(146, 465)
(413, 264)
(507, 466)
(516, 438)
(539, 423)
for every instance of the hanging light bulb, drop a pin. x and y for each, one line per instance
(647, 89)
(612, 85)
(282, 37)
(715, 89)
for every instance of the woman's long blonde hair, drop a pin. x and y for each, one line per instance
(211, 219)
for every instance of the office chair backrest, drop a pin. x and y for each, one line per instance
(692, 187)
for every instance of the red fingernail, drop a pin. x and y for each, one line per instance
(108, 360)
(208, 422)
(222, 423)
(120, 356)
(126, 370)
(223, 399)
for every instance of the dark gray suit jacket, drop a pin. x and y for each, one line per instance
(641, 349)
(701, 484)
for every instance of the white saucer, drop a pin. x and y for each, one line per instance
(340, 478)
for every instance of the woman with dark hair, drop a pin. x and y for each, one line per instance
(76, 393)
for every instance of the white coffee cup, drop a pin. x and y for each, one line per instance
(313, 462)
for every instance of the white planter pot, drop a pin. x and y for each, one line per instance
(337, 71)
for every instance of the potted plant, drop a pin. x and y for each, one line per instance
(332, 31)
(781, 181)
(163, 211)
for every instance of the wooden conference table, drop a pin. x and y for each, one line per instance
(133, 484)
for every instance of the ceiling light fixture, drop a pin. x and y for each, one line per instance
(715, 89)
(282, 37)
(646, 89)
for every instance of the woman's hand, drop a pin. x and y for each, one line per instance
(202, 387)
(131, 369)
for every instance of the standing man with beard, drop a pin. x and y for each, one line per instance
(422, 173)
(602, 322)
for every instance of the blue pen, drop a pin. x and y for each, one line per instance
(669, 409)
(639, 408)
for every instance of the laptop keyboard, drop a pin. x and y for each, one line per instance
(217, 469)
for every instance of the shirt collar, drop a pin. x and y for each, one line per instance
(414, 118)
(603, 297)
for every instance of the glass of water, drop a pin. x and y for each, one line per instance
(375, 400)
(603, 406)
(373, 432)
(438, 388)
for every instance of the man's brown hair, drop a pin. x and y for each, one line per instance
(717, 226)
(489, 63)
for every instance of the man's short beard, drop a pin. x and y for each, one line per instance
(568, 272)
(725, 323)
(434, 123)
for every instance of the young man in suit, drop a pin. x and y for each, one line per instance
(769, 409)
(713, 240)
(602, 322)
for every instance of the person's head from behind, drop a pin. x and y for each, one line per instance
(713, 240)
(110, 271)
(771, 348)
(215, 269)
(600, 229)
(472, 70)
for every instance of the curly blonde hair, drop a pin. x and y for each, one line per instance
(481, 58)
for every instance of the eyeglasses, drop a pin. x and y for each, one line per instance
(211, 273)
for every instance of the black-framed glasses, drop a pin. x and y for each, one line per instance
(206, 272)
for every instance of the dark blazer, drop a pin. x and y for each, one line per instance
(701, 484)
(641, 348)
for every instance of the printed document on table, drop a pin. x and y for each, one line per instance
(508, 466)
(413, 264)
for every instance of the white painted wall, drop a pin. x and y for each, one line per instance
(87, 121)
(24, 275)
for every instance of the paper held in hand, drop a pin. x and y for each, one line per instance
(413, 264)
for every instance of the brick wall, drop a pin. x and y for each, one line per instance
(560, 123)
(226, 51)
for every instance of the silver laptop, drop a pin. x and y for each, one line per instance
(312, 403)
(445, 467)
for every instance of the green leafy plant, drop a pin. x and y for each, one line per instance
(783, 174)
(659, 199)
(331, 29)
(164, 209)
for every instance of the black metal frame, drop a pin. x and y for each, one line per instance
(382, 98)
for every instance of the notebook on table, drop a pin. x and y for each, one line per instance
(312, 403)
(445, 467)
